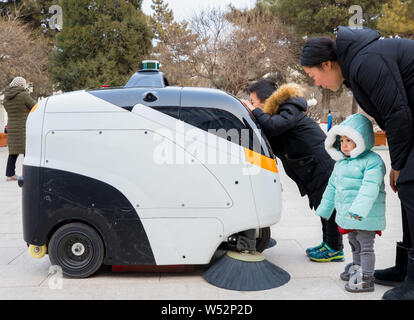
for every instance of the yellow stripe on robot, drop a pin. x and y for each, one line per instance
(261, 161)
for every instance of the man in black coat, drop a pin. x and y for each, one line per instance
(298, 142)
(380, 73)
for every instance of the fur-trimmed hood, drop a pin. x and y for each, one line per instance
(289, 91)
(356, 127)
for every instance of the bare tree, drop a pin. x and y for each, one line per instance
(175, 45)
(236, 47)
(259, 45)
(23, 53)
(211, 27)
(225, 49)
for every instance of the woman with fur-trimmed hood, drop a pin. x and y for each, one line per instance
(298, 142)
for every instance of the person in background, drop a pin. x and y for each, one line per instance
(18, 103)
(330, 118)
(298, 142)
(356, 190)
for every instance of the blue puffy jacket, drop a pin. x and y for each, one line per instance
(356, 186)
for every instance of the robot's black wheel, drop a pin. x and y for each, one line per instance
(78, 249)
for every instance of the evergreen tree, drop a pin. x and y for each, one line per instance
(322, 17)
(102, 42)
(34, 13)
(397, 18)
(175, 45)
(317, 17)
(161, 20)
(25, 10)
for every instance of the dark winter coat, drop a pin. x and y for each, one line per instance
(297, 141)
(380, 73)
(18, 104)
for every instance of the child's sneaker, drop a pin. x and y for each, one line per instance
(319, 246)
(326, 254)
(359, 282)
(349, 269)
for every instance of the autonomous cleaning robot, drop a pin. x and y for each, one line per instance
(146, 174)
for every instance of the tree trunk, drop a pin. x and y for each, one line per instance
(354, 105)
(326, 102)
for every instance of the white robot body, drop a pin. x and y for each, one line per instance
(189, 189)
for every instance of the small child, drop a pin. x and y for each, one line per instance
(356, 191)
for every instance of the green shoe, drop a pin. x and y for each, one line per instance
(318, 247)
(326, 254)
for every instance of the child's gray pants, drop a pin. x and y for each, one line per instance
(362, 244)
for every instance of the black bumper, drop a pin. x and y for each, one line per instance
(52, 198)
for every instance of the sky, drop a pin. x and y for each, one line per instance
(185, 9)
